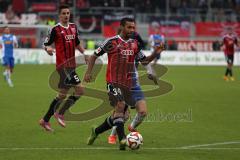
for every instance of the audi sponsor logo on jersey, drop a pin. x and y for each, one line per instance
(127, 52)
(70, 37)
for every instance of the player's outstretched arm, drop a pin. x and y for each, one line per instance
(49, 41)
(49, 50)
(88, 74)
(82, 50)
(156, 52)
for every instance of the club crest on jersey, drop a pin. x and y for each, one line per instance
(73, 30)
(69, 37)
(127, 52)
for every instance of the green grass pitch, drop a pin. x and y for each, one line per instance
(210, 131)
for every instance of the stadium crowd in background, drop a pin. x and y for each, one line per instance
(202, 11)
(146, 6)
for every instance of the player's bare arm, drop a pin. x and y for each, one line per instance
(49, 41)
(82, 50)
(49, 50)
(88, 74)
(157, 51)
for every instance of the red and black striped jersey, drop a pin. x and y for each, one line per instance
(65, 40)
(229, 41)
(121, 56)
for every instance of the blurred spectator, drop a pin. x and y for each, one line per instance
(27, 44)
(82, 4)
(3, 5)
(217, 4)
(157, 4)
(91, 44)
(184, 7)
(51, 22)
(237, 9)
(11, 17)
(130, 3)
(148, 6)
(174, 5)
(220, 16)
(203, 6)
(173, 46)
(216, 46)
(114, 3)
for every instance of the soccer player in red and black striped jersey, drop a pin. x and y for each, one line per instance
(66, 39)
(228, 42)
(122, 51)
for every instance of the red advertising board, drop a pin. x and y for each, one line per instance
(111, 24)
(110, 29)
(195, 45)
(215, 29)
(173, 26)
(44, 7)
(171, 31)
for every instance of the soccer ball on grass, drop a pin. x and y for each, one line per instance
(134, 140)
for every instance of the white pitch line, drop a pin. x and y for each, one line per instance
(107, 148)
(211, 144)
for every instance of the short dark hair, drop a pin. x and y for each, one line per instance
(126, 19)
(63, 6)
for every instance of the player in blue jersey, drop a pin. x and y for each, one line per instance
(8, 42)
(155, 39)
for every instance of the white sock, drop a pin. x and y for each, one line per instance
(137, 120)
(114, 131)
(8, 74)
(149, 68)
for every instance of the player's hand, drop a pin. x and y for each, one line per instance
(50, 50)
(87, 77)
(159, 48)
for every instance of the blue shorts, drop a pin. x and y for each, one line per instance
(8, 61)
(137, 94)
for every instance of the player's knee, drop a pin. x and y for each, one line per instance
(120, 107)
(143, 113)
(61, 96)
(119, 110)
(79, 91)
(142, 108)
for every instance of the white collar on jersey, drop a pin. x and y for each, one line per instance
(63, 25)
(123, 39)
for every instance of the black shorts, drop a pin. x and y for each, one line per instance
(118, 93)
(229, 59)
(68, 78)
